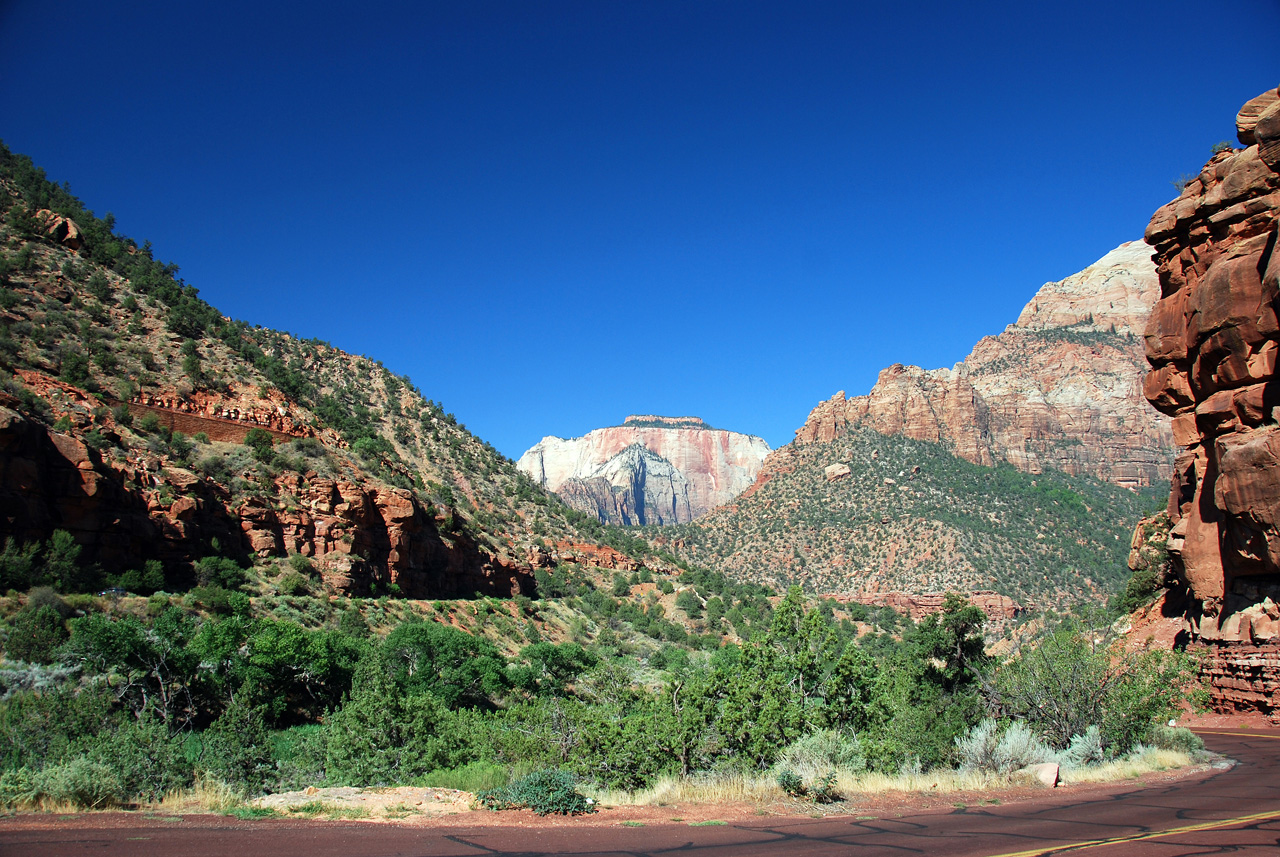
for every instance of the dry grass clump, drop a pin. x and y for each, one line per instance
(209, 795)
(730, 788)
(1144, 760)
(718, 788)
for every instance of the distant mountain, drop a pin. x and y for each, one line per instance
(650, 470)
(868, 515)
(985, 476)
(1061, 388)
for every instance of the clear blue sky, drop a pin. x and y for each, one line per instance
(551, 215)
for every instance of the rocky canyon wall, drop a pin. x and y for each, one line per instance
(1059, 388)
(1212, 341)
(138, 505)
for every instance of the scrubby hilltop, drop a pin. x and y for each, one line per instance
(138, 419)
(1020, 470)
(869, 515)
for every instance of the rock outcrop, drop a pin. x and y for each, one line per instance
(999, 608)
(61, 229)
(1212, 342)
(655, 470)
(126, 509)
(634, 488)
(1059, 388)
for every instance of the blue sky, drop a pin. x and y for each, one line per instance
(553, 214)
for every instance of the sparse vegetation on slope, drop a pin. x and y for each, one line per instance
(910, 516)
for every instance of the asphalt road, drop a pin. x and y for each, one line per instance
(1235, 811)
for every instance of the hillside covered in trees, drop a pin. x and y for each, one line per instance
(872, 513)
(232, 555)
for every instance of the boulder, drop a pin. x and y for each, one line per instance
(1045, 773)
(1247, 118)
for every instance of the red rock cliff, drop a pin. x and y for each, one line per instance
(1057, 389)
(1212, 342)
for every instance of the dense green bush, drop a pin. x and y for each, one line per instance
(237, 749)
(145, 758)
(1069, 681)
(548, 792)
(34, 635)
(78, 782)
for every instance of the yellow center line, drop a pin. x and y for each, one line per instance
(1139, 837)
(1237, 734)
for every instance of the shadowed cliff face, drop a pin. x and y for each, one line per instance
(1212, 342)
(1060, 388)
(125, 509)
(635, 487)
(651, 472)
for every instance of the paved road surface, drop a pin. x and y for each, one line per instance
(1234, 811)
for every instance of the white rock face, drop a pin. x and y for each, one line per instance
(635, 487)
(715, 465)
(1117, 291)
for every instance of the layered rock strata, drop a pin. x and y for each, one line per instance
(1212, 342)
(653, 470)
(126, 509)
(1059, 388)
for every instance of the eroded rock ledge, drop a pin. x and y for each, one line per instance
(1212, 342)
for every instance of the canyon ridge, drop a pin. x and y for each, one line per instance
(1060, 388)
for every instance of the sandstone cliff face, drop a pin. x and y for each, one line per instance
(635, 487)
(124, 509)
(711, 467)
(1212, 342)
(1060, 388)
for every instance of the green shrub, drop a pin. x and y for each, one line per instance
(291, 583)
(79, 782)
(214, 466)
(299, 754)
(1175, 738)
(987, 747)
(548, 792)
(789, 781)
(260, 442)
(1067, 682)
(236, 748)
(146, 759)
(17, 788)
(301, 564)
(821, 752)
(1085, 749)
(219, 571)
(824, 789)
(36, 634)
